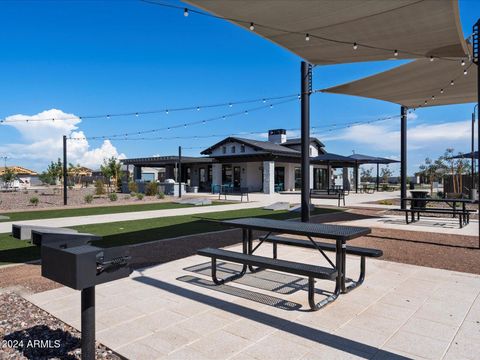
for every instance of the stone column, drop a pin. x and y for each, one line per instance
(311, 177)
(269, 177)
(216, 174)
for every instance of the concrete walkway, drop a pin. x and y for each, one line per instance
(6, 227)
(173, 311)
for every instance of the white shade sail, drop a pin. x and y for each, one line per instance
(421, 80)
(416, 28)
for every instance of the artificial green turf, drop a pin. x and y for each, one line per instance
(101, 210)
(140, 231)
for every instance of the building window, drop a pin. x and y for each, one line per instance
(233, 149)
(224, 149)
(311, 151)
(242, 148)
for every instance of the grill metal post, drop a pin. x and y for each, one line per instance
(65, 175)
(306, 83)
(403, 156)
(88, 323)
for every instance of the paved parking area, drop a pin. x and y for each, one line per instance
(172, 311)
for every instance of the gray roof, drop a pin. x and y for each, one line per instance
(367, 159)
(298, 141)
(262, 146)
(165, 160)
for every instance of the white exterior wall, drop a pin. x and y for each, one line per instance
(313, 149)
(268, 177)
(253, 176)
(218, 152)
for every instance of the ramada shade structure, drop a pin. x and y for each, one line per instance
(333, 160)
(367, 159)
(466, 156)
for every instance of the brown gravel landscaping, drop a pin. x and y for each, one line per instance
(52, 198)
(28, 332)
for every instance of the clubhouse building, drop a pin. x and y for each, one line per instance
(261, 166)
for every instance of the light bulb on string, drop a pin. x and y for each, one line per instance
(198, 108)
(432, 58)
(441, 91)
(185, 12)
(463, 62)
(465, 72)
(452, 83)
(307, 37)
(166, 112)
(230, 105)
(136, 114)
(355, 46)
(252, 26)
(395, 53)
(433, 97)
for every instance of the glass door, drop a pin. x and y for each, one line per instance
(279, 179)
(298, 179)
(236, 177)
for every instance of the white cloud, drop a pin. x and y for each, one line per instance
(386, 137)
(42, 140)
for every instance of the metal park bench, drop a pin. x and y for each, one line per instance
(351, 250)
(337, 194)
(418, 206)
(230, 190)
(341, 234)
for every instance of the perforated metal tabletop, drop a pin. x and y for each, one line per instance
(326, 231)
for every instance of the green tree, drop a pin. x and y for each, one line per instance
(366, 175)
(386, 173)
(111, 169)
(53, 173)
(433, 170)
(8, 176)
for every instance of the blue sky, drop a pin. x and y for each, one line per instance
(95, 57)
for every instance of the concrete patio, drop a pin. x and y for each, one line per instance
(173, 311)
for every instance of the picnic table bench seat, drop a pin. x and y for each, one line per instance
(228, 190)
(311, 271)
(352, 250)
(463, 219)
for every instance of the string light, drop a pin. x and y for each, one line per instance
(198, 108)
(452, 83)
(463, 62)
(185, 12)
(433, 97)
(465, 72)
(431, 58)
(136, 114)
(244, 112)
(441, 91)
(252, 26)
(395, 53)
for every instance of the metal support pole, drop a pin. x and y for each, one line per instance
(378, 175)
(88, 323)
(472, 171)
(179, 171)
(306, 87)
(476, 61)
(65, 175)
(356, 177)
(403, 156)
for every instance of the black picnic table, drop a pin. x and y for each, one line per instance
(340, 233)
(419, 205)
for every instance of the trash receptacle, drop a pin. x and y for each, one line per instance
(419, 194)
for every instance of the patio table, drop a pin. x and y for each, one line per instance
(340, 233)
(415, 205)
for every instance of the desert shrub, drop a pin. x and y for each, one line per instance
(113, 197)
(25, 192)
(140, 196)
(34, 201)
(133, 194)
(35, 191)
(385, 202)
(126, 197)
(132, 187)
(161, 195)
(88, 198)
(151, 189)
(70, 187)
(99, 187)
